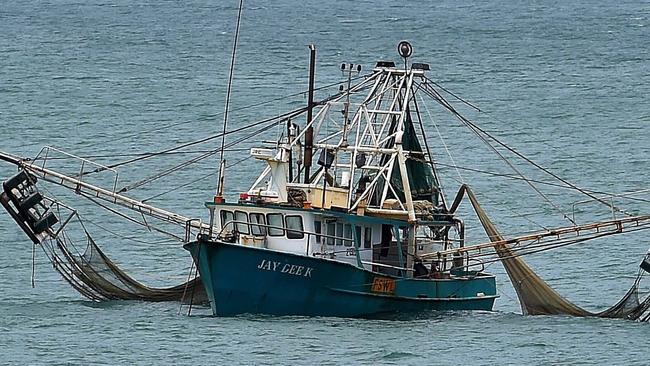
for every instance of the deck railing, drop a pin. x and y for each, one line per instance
(44, 156)
(610, 200)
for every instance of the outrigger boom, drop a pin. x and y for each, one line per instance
(583, 232)
(81, 187)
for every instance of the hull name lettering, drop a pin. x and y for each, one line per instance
(287, 268)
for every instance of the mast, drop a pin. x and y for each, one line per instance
(289, 150)
(380, 163)
(309, 134)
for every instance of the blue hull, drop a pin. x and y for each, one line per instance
(240, 279)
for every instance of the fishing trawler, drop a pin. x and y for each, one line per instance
(369, 230)
(348, 217)
(344, 239)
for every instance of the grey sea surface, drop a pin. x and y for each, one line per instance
(564, 82)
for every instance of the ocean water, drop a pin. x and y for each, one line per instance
(564, 82)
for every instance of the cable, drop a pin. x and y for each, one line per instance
(437, 97)
(442, 140)
(130, 155)
(282, 116)
(248, 106)
(176, 188)
(525, 158)
(189, 162)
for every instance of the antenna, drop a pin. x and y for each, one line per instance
(222, 165)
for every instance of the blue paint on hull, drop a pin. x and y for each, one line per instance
(240, 279)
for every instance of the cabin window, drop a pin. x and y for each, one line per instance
(331, 232)
(259, 229)
(339, 233)
(347, 233)
(295, 229)
(317, 230)
(242, 224)
(367, 237)
(226, 217)
(276, 224)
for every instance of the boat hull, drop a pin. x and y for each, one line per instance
(240, 279)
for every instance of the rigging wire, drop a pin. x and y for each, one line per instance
(190, 162)
(238, 161)
(130, 238)
(438, 98)
(139, 157)
(131, 155)
(81, 218)
(442, 140)
(520, 155)
(166, 172)
(510, 176)
(526, 215)
(516, 213)
(289, 114)
(542, 182)
(206, 176)
(441, 194)
(581, 190)
(282, 117)
(174, 189)
(144, 224)
(531, 248)
(246, 107)
(457, 97)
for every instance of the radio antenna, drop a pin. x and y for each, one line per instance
(222, 164)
